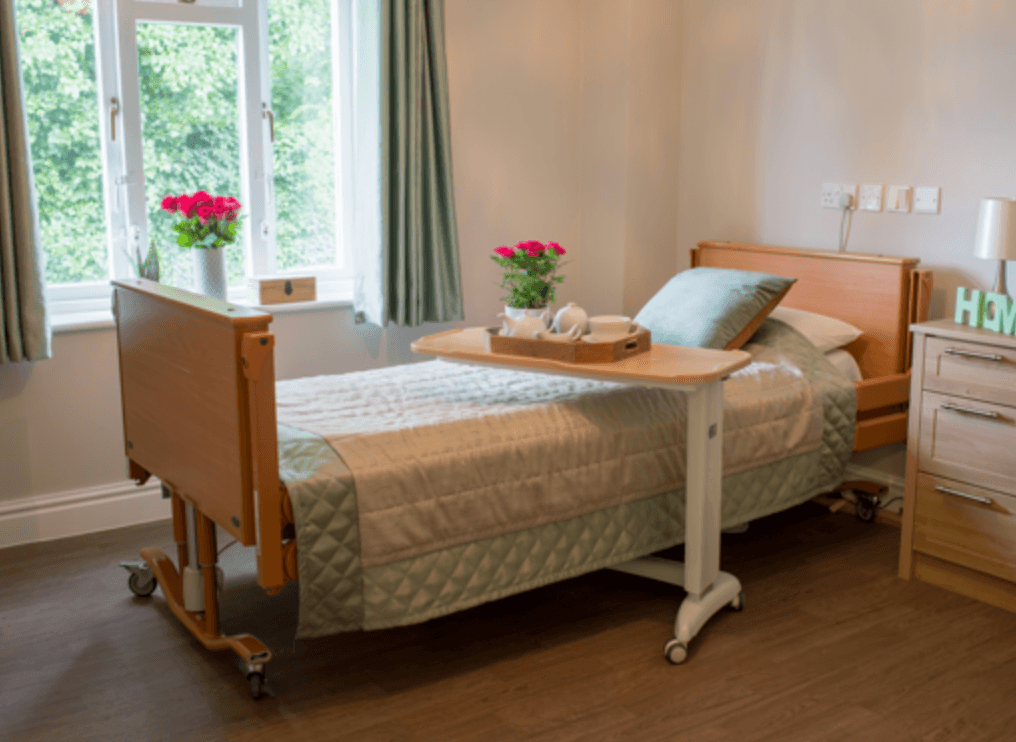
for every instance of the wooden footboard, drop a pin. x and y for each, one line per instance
(197, 380)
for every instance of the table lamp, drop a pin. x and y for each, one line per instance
(996, 235)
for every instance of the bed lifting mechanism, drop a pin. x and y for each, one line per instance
(192, 594)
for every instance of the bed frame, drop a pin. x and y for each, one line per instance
(878, 294)
(197, 380)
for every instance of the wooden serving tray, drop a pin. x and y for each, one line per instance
(575, 352)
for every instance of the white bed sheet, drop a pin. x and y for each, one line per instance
(845, 364)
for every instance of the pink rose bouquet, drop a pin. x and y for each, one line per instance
(530, 272)
(205, 221)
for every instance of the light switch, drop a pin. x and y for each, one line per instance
(898, 198)
(926, 199)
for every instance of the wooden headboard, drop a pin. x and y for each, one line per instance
(878, 294)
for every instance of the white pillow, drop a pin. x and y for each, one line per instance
(825, 333)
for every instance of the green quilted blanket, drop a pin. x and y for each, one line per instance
(337, 593)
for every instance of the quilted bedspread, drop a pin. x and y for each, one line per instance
(423, 489)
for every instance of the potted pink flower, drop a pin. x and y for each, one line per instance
(530, 273)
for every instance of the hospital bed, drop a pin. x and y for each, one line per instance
(201, 414)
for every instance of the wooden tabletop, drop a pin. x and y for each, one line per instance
(947, 328)
(671, 364)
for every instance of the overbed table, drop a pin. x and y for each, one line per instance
(699, 374)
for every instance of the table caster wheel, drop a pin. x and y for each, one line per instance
(866, 508)
(737, 604)
(675, 651)
(141, 584)
(256, 681)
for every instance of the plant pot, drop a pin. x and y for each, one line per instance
(518, 313)
(210, 271)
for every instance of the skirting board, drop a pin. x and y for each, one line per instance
(63, 514)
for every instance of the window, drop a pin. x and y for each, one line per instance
(132, 100)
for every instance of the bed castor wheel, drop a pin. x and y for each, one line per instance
(142, 580)
(256, 681)
(141, 587)
(866, 508)
(675, 651)
(737, 604)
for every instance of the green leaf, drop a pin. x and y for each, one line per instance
(184, 240)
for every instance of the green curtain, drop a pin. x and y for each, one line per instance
(419, 276)
(24, 327)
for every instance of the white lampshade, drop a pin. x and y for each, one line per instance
(996, 229)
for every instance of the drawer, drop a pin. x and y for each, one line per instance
(973, 370)
(978, 534)
(968, 440)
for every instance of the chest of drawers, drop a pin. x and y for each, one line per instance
(959, 512)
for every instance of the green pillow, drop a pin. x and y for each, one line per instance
(712, 307)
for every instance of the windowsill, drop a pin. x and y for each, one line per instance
(75, 322)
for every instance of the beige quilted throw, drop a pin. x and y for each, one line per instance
(444, 454)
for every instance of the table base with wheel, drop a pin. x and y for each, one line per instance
(699, 374)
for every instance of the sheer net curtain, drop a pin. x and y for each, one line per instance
(24, 326)
(406, 244)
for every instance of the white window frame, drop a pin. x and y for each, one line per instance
(125, 209)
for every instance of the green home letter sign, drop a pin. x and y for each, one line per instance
(988, 310)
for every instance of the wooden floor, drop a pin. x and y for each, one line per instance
(832, 646)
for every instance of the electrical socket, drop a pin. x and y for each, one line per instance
(831, 193)
(870, 198)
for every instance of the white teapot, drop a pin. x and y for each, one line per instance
(571, 316)
(524, 327)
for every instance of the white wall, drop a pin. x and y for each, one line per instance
(783, 95)
(60, 423)
(613, 125)
(564, 127)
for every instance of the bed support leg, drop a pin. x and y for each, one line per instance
(204, 624)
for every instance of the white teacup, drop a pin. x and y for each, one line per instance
(610, 326)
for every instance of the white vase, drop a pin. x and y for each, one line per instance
(210, 271)
(517, 313)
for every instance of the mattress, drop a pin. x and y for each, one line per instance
(425, 489)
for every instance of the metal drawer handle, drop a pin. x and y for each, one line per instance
(965, 496)
(972, 354)
(971, 411)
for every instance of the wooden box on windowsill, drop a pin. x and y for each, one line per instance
(281, 290)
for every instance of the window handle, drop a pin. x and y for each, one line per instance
(266, 113)
(114, 109)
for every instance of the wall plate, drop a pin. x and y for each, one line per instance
(897, 198)
(870, 198)
(926, 199)
(831, 193)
